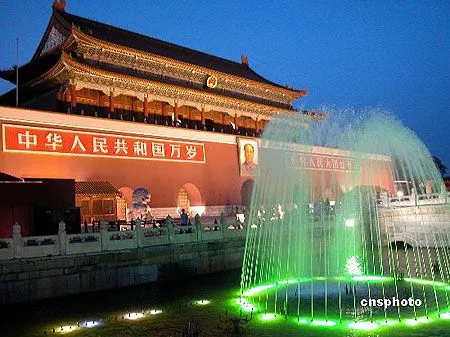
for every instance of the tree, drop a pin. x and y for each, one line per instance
(440, 166)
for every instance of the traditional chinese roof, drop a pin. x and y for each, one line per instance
(151, 45)
(89, 188)
(63, 64)
(75, 49)
(4, 177)
(31, 70)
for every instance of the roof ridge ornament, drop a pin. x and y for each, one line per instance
(59, 5)
(244, 60)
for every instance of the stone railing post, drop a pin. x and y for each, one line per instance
(223, 224)
(223, 221)
(139, 233)
(104, 236)
(62, 237)
(443, 197)
(198, 226)
(17, 241)
(385, 200)
(170, 229)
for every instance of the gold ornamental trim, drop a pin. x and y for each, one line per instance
(294, 93)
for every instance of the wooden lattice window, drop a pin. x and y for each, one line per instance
(183, 200)
(101, 207)
(108, 207)
(97, 207)
(84, 209)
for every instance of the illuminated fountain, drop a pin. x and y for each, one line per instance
(349, 225)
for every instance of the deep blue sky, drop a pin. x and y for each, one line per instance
(389, 54)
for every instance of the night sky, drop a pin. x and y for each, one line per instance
(389, 54)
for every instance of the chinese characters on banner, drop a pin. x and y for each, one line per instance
(322, 162)
(20, 138)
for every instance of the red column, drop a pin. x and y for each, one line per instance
(223, 118)
(111, 101)
(145, 107)
(235, 121)
(203, 116)
(73, 99)
(264, 124)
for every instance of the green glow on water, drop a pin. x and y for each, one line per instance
(419, 320)
(389, 323)
(323, 323)
(363, 326)
(364, 278)
(445, 315)
(424, 282)
(257, 290)
(202, 302)
(321, 240)
(288, 282)
(248, 307)
(241, 301)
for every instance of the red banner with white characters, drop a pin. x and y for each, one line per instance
(47, 140)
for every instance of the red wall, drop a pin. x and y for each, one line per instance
(217, 180)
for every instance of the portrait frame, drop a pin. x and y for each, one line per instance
(247, 169)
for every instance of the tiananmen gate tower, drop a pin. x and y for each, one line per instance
(137, 122)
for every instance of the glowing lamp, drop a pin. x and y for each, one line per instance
(134, 315)
(155, 312)
(248, 307)
(323, 323)
(353, 266)
(389, 323)
(367, 278)
(200, 210)
(90, 324)
(241, 301)
(445, 315)
(363, 326)
(419, 320)
(268, 317)
(67, 328)
(350, 223)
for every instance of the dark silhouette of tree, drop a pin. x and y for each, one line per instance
(440, 166)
